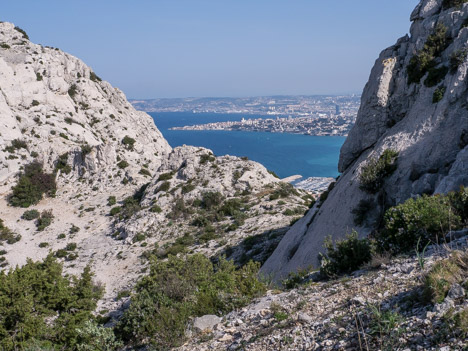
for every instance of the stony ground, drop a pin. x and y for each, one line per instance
(373, 309)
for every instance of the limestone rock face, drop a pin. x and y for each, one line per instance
(431, 138)
(56, 104)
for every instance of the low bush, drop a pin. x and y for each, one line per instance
(128, 142)
(427, 217)
(62, 164)
(346, 255)
(93, 76)
(374, 172)
(94, 337)
(165, 176)
(40, 306)
(44, 220)
(122, 164)
(425, 59)
(165, 186)
(145, 172)
(283, 190)
(23, 33)
(8, 236)
(30, 215)
(211, 200)
(207, 158)
(435, 76)
(456, 59)
(443, 275)
(361, 210)
(438, 94)
(111, 201)
(33, 183)
(73, 90)
(181, 288)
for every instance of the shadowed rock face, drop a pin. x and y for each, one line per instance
(431, 139)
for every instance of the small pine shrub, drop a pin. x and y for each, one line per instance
(187, 188)
(424, 60)
(456, 59)
(111, 201)
(32, 185)
(374, 172)
(345, 256)
(35, 103)
(145, 172)
(283, 190)
(23, 33)
(165, 176)
(438, 94)
(38, 76)
(360, 212)
(115, 211)
(155, 209)
(73, 90)
(4, 46)
(92, 337)
(30, 215)
(207, 158)
(122, 164)
(435, 76)
(86, 150)
(6, 235)
(44, 220)
(94, 77)
(128, 142)
(165, 186)
(427, 217)
(62, 164)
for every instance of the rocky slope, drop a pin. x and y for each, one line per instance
(415, 103)
(107, 158)
(377, 308)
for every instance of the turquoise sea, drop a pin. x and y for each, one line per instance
(286, 154)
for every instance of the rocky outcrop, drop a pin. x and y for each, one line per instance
(425, 120)
(122, 193)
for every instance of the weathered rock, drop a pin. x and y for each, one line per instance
(205, 323)
(430, 138)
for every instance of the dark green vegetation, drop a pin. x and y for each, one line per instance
(456, 59)
(41, 309)
(23, 33)
(375, 171)
(16, 144)
(94, 77)
(345, 256)
(62, 164)
(446, 4)
(438, 94)
(427, 218)
(180, 288)
(30, 215)
(32, 184)
(406, 227)
(128, 142)
(44, 220)
(6, 235)
(130, 205)
(425, 60)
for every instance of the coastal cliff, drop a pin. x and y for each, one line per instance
(414, 105)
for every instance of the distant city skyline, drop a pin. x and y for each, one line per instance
(211, 48)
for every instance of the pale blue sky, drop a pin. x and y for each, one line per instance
(181, 48)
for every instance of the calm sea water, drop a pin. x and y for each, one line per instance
(286, 154)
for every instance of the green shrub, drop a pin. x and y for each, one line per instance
(38, 76)
(273, 174)
(155, 209)
(43, 244)
(7, 235)
(427, 217)
(438, 94)
(283, 190)
(35, 103)
(122, 164)
(165, 176)
(211, 199)
(231, 207)
(375, 171)
(425, 59)
(443, 275)
(115, 210)
(128, 142)
(73, 90)
(345, 256)
(181, 288)
(94, 77)
(111, 201)
(456, 59)
(145, 172)
(94, 337)
(38, 303)
(32, 185)
(30, 215)
(23, 33)
(207, 158)
(459, 202)
(187, 188)
(19, 144)
(44, 220)
(70, 247)
(165, 186)
(86, 150)
(74, 229)
(360, 212)
(435, 76)
(62, 164)
(4, 46)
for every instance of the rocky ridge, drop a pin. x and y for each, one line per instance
(106, 156)
(415, 108)
(377, 308)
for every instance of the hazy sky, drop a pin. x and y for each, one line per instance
(181, 48)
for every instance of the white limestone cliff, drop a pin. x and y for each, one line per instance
(431, 138)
